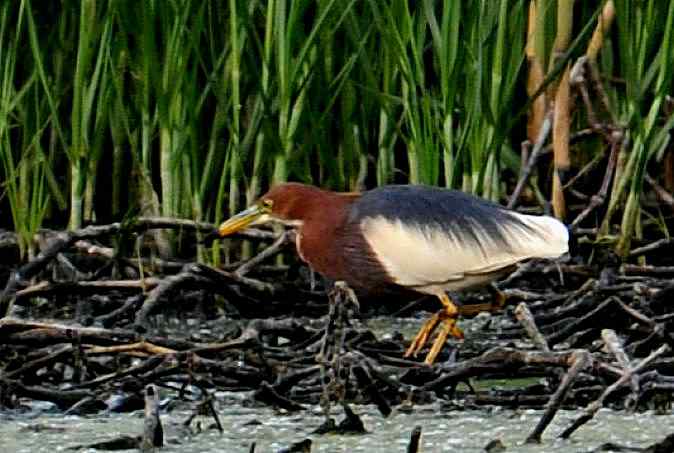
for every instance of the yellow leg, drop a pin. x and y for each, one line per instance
(422, 337)
(447, 317)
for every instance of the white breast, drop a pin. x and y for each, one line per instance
(432, 259)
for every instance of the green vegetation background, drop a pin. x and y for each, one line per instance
(191, 108)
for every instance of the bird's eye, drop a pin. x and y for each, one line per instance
(267, 204)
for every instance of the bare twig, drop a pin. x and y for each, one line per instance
(267, 253)
(660, 191)
(153, 432)
(186, 276)
(525, 318)
(415, 438)
(598, 199)
(614, 345)
(579, 361)
(593, 407)
(62, 240)
(42, 288)
(635, 269)
(653, 246)
(533, 158)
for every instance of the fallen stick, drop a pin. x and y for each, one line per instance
(634, 269)
(168, 284)
(155, 263)
(192, 274)
(369, 387)
(211, 409)
(497, 360)
(129, 307)
(579, 361)
(267, 253)
(42, 288)
(303, 446)
(219, 276)
(142, 346)
(62, 398)
(153, 432)
(147, 365)
(266, 394)
(40, 362)
(543, 133)
(605, 315)
(614, 346)
(525, 318)
(64, 239)
(593, 407)
(122, 442)
(415, 438)
(599, 199)
(653, 246)
(33, 333)
(352, 423)
(660, 191)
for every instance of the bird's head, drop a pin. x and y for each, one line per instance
(289, 203)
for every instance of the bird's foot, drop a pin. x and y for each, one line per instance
(422, 336)
(448, 327)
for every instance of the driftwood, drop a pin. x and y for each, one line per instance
(614, 346)
(60, 241)
(153, 432)
(666, 445)
(592, 409)
(579, 361)
(110, 345)
(525, 318)
(303, 446)
(415, 439)
(177, 359)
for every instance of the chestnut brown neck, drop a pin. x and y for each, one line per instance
(319, 238)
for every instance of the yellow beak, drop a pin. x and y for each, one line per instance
(240, 221)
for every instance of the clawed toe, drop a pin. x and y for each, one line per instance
(448, 327)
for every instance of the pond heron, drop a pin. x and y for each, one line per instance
(420, 238)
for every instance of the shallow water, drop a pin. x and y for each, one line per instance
(443, 431)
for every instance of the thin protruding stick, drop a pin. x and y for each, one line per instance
(415, 437)
(525, 318)
(598, 199)
(613, 344)
(533, 158)
(594, 406)
(268, 252)
(580, 360)
(153, 432)
(62, 240)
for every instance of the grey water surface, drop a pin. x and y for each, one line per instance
(443, 430)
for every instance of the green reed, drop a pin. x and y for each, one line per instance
(192, 108)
